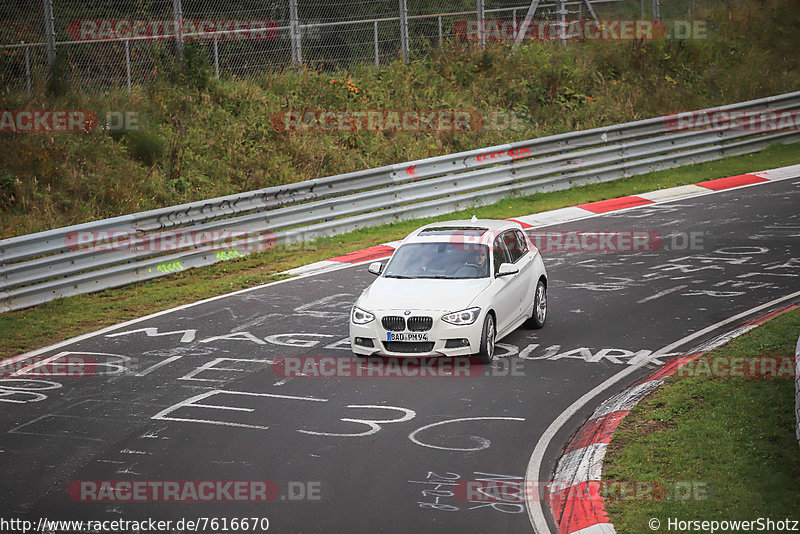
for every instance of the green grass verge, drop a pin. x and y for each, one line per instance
(31, 328)
(734, 438)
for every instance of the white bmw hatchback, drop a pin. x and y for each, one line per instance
(451, 289)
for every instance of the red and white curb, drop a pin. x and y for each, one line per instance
(573, 213)
(575, 493)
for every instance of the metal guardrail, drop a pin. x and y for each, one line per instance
(44, 266)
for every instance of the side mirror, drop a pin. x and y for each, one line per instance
(375, 268)
(507, 269)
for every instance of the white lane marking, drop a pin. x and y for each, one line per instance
(662, 293)
(159, 365)
(485, 443)
(192, 401)
(186, 337)
(374, 424)
(535, 508)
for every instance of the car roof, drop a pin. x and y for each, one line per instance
(492, 227)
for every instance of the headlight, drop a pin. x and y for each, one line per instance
(462, 317)
(359, 316)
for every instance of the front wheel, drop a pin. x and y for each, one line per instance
(539, 315)
(486, 354)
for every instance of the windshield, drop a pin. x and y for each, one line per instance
(439, 260)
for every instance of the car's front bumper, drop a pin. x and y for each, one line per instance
(438, 335)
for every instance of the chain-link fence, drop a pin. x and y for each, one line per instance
(97, 44)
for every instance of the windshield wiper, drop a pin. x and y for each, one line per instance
(399, 276)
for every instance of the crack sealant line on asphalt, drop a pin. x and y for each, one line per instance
(575, 494)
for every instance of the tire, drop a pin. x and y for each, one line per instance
(488, 337)
(539, 315)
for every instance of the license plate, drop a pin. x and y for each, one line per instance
(404, 336)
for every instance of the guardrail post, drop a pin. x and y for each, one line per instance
(128, 63)
(481, 23)
(216, 56)
(28, 69)
(294, 33)
(178, 16)
(49, 32)
(797, 387)
(404, 29)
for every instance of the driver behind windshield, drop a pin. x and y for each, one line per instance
(478, 261)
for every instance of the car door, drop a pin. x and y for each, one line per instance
(507, 298)
(523, 259)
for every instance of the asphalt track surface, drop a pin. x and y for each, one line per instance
(134, 419)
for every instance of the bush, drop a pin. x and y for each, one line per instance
(8, 188)
(145, 145)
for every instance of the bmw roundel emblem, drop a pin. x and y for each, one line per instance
(407, 312)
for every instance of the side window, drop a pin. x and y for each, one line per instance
(500, 253)
(512, 245)
(522, 242)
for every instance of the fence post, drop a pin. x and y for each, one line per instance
(375, 38)
(128, 63)
(440, 31)
(481, 24)
(562, 21)
(656, 10)
(216, 56)
(294, 33)
(178, 16)
(404, 29)
(28, 69)
(49, 32)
